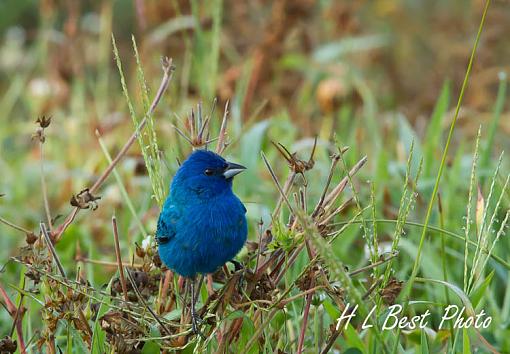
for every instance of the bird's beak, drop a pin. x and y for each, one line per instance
(233, 169)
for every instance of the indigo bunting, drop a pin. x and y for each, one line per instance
(203, 224)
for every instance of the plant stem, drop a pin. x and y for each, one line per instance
(414, 273)
(167, 76)
(119, 258)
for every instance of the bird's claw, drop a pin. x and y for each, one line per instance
(239, 268)
(196, 321)
(237, 265)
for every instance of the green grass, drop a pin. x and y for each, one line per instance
(337, 229)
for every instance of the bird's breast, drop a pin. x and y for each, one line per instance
(207, 235)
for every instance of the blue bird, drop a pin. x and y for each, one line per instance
(203, 224)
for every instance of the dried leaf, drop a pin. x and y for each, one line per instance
(390, 293)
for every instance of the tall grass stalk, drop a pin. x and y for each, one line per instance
(407, 290)
(122, 189)
(371, 239)
(417, 262)
(438, 230)
(443, 256)
(336, 268)
(146, 140)
(480, 259)
(374, 241)
(469, 218)
(406, 202)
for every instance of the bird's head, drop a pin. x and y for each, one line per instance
(204, 174)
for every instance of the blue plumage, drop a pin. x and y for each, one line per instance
(203, 224)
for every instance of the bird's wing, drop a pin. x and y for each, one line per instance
(166, 224)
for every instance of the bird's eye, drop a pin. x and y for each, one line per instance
(209, 172)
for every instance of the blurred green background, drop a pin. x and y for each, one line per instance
(372, 75)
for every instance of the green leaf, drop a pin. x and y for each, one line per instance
(76, 344)
(247, 331)
(173, 315)
(353, 351)
(331, 309)
(99, 335)
(251, 145)
(406, 137)
(458, 291)
(424, 342)
(466, 347)
(150, 347)
(434, 130)
(352, 338)
(236, 314)
(332, 51)
(477, 294)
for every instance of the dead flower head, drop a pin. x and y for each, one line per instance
(391, 291)
(7, 345)
(43, 121)
(84, 200)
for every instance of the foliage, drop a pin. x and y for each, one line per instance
(350, 197)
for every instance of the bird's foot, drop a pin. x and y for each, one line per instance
(238, 267)
(196, 321)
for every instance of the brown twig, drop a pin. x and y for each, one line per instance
(275, 180)
(106, 263)
(373, 265)
(286, 188)
(284, 302)
(290, 262)
(18, 312)
(14, 313)
(318, 207)
(222, 142)
(83, 319)
(296, 167)
(43, 186)
(14, 226)
(181, 133)
(305, 319)
(47, 238)
(168, 69)
(343, 183)
(119, 258)
(328, 217)
(259, 246)
(329, 199)
(164, 291)
(144, 303)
